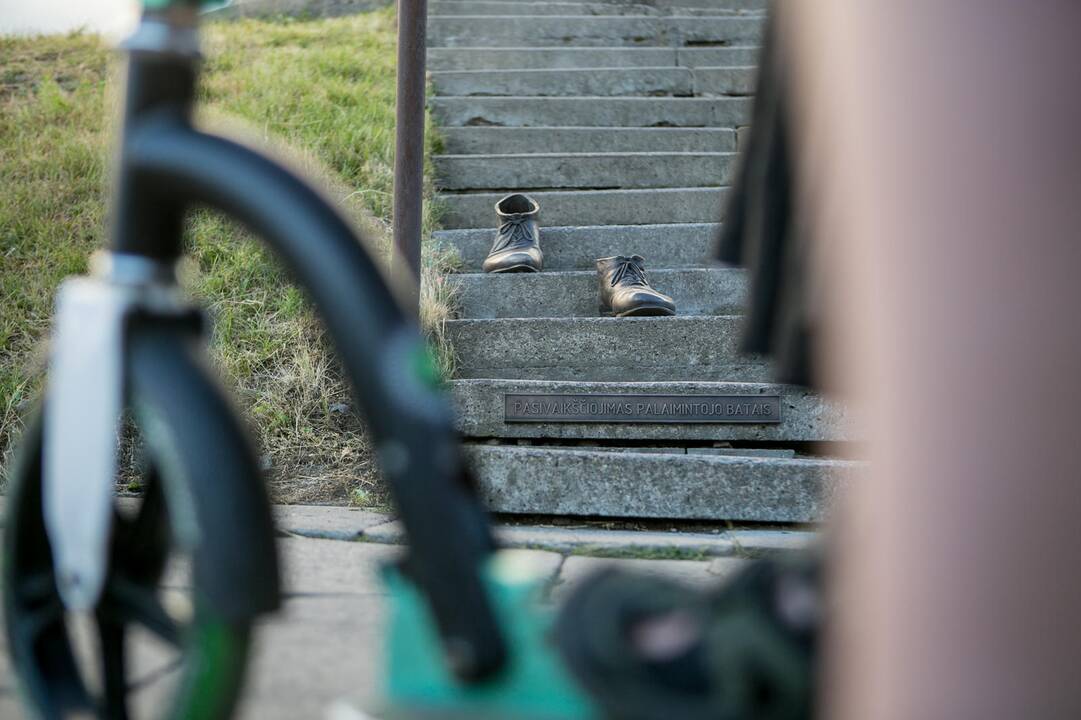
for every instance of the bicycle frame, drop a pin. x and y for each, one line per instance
(166, 167)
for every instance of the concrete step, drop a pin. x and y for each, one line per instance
(656, 485)
(506, 141)
(484, 58)
(611, 82)
(746, 5)
(594, 207)
(601, 82)
(577, 248)
(805, 417)
(533, 7)
(591, 31)
(605, 349)
(582, 170)
(714, 81)
(724, 112)
(556, 294)
(743, 5)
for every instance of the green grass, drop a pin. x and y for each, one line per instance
(326, 89)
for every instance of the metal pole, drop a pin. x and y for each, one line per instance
(409, 147)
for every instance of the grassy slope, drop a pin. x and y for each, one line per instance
(325, 87)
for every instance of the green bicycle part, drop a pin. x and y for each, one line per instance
(533, 686)
(218, 666)
(426, 368)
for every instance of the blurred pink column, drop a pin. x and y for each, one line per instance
(942, 149)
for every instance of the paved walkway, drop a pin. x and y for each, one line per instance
(323, 650)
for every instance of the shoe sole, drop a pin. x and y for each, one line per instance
(641, 311)
(648, 311)
(514, 269)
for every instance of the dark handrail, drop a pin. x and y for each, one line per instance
(409, 146)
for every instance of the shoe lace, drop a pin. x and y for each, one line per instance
(513, 233)
(632, 271)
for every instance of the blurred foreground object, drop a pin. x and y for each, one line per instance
(125, 331)
(939, 148)
(648, 648)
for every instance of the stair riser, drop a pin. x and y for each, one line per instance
(745, 5)
(540, 83)
(481, 58)
(513, 7)
(594, 207)
(757, 5)
(725, 81)
(805, 416)
(550, 294)
(576, 248)
(508, 141)
(604, 349)
(597, 82)
(591, 31)
(591, 112)
(524, 172)
(646, 485)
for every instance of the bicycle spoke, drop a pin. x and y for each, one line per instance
(113, 668)
(125, 601)
(40, 603)
(43, 622)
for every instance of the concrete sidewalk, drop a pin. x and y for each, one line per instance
(323, 649)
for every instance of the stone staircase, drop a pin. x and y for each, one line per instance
(621, 118)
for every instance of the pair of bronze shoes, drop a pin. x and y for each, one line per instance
(624, 288)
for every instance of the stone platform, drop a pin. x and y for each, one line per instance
(622, 119)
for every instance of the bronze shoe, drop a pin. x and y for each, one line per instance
(517, 244)
(625, 290)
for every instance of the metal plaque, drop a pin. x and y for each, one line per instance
(668, 409)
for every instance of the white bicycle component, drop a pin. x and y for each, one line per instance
(84, 400)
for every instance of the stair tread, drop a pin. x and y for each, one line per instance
(696, 291)
(667, 485)
(591, 111)
(489, 58)
(559, 276)
(577, 247)
(565, 140)
(600, 207)
(584, 155)
(669, 80)
(704, 347)
(514, 7)
(558, 171)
